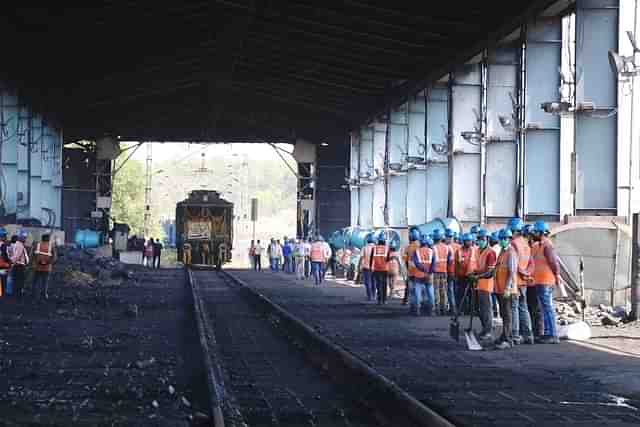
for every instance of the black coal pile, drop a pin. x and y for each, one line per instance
(77, 266)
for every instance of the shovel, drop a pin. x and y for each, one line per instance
(469, 333)
(454, 326)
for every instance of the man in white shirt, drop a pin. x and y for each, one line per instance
(327, 255)
(307, 258)
(257, 256)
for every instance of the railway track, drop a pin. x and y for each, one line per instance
(258, 374)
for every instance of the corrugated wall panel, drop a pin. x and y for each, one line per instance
(466, 100)
(366, 206)
(595, 162)
(416, 192)
(437, 191)
(542, 183)
(355, 207)
(596, 137)
(398, 134)
(542, 172)
(417, 126)
(398, 201)
(501, 184)
(378, 203)
(596, 33)
(501, 157)
(466, 187)
(355, 156)
(379, 146)
(366, 150)
(437, 122)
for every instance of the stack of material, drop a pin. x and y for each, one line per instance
(571, 312)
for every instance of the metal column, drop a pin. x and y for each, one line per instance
(437, 175)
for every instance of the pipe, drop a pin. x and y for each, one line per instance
(450, 145)
(635, 269)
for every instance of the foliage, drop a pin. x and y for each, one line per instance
(128, 198)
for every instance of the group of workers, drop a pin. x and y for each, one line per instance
(303, 257)
(16, 257)
(511, 273)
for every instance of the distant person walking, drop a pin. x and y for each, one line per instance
(20, 259)
(157, 253)
(307, 258)
(288, 257)
(147, 253)
(43, 259)
(5, 262)
(252, 255)
(257, 256)
(298, 256)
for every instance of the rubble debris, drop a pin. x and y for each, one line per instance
(155, 404)
(610, 320)
(142, 364)
(185, 402)
(132, 310)
(172, 390)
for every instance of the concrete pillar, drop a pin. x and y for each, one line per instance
(366, 177)
(379, 150)
(398, 134)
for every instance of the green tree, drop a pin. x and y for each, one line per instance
(128, 198)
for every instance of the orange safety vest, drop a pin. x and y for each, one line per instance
(4, 264)
(424, 254)
(366, 256)
(455, 247)
(317, 252)
(442, 254)
(524, 256)
(380, 254)
(542, 273)
(43, 256)
(411, 248)
(467, 261)
(502, 271)
(483, 266)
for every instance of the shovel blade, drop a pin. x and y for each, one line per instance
(472, 341)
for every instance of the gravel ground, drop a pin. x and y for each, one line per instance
(118, 354)
(546, 385)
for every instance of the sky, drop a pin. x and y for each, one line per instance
(179, 151)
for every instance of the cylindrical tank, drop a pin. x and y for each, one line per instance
(358, 237)
(441, 223)
(337, 239)
(87, 238)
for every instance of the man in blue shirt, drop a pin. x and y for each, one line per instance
(286, 253)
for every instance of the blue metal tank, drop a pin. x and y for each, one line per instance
(441, 223)
(358, 237)
(337, 239)
(87, 238)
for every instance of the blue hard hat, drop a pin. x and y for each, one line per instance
(414, 234)
(482, 233)
(393, 246)
(515, 224)
(424, 239)
(437, 234)
(474, 229)
(448, 232)
(467, 237)
(527, 229)
(495, 235)
(505, 233)
(382, 236)
(540, 227)
(371, 238)
(455, 234)
(3, 232)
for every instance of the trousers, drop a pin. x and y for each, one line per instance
(486, 312)
(505, 310)
(41, 284)
(440, 287)
(537, 320)
(545, 299)
(520, 317)
(367, 279)
(380, 283)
